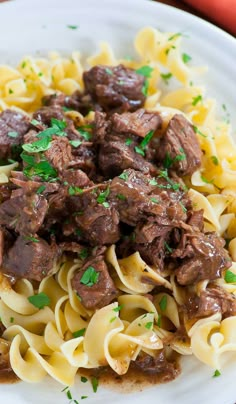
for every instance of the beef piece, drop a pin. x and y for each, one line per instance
(4, 356)
(115, 87)
(102, 292)
(196, 220)
(13, 126)
(72, 247)
(208, 259)
(5, 192)
(75, 178)
(57, 208)
(59, 154)
(154, 253)
(77, 101)
(157, 364)
(210, 301)
(99, 224)
(55, 100)
(6, 241)
(180, 140)
(44, 115)
(29, 186)
(2, 329)
(30, 259)
(25, 214)
(138, 123)
(85, 158)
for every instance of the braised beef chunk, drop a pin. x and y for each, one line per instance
(180, 146)
(156, 364)
(25, 214)
(13, 126)
(5, 192)
(196, 220)
(210, 301)
(207, 259)
(6, 241)
(94, 284)
(115, 87)
(59, 154)
(95, 218)
(4, 355)
(76, 178)
(29, 258)
(44, 115)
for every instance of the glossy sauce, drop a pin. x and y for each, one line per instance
(8, 376)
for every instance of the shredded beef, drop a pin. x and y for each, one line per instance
(181, 146)
(59, 154)
(115, 87)
(156, 364)
(13, 126)
(100, 293)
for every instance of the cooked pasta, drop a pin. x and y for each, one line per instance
(147, 313)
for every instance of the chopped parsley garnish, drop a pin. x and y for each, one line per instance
(69, 395)
(216, 373)
(83, 254)
(183, 207)
(12, 319)
(173, 185)
(167, 247)
(72, 26)
(23, 64)
(83, 397)
(30, 238)
(95, 383)
(75, 190)
(152, 182)
(90, 277)
(174, 36)
(103, 196)
(145, 71)
(106, 204)
(79, 333)
(166, 77)
(186, 58)
(67, 109)
(83, 379)
(13, 134)
(149, 325)
(41, 189)
(169, 49)
(40, 301)
(196, 130)
(118, 308)
(108, 71)
(154, 200)
(121, 197)
(35, 122)
(43, 169)
(11, 91)
(163, 303)
(159, 321)
(196, 99)
(168, 161)
(204, 179)
(113, 319)
(145, 88)
(124, 176)
(38, 146)
(230, 277)
(75, 143)
(215, 160)
(58, 124)
(84, 133)
(40, 74)
(141, 148)
(128, 142)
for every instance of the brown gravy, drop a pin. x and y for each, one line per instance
(135, 380)
(8, 376)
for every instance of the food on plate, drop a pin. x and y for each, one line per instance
(117, 214)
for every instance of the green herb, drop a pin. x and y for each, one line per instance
(230, 277)
(145, 88)
(40, 301)
(67, 109)
(30, 238)
(215, 160)
(196, 99)
(113, 319)
(75, 190)
(38, 146)
(169, 49)
(69, 395)
(159, 320)
(141, 148)
(174, 36)
(42, 169)
(163, 303)
(95, 383)
(166, 77)
(103, 196)
(34, 122)
(78, 232)
(11, 91)
(78, 297)
(186, 58)
(145, 71)
(118, 308)
(204, 179)
(13, 134)
(90, 277)
(11, 319)
(41, 189)
(173, 185)
(72, 26)
(216, 373)
(40, 74)
(83, 254)
(106, 204)
(121, 197)
(108, 71)
(196, 130)
(83, 397)
(149, 325)
(183, 207)
(83, 379)
(84, 133)
(11, 161)
(154, 200)
(167, 247)
(79, 333)
(75, 143)
(152, 182)
(66, 388)
(124, 176)
(23, 64)
(128, 142)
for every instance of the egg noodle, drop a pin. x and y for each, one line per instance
(46, 341)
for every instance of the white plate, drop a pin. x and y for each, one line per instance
(32, 27)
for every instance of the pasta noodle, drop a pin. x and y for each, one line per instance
(45, 340)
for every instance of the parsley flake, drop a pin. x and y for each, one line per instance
(83, 254)
(174, 36)
(121, 197)
(216, 373)
(204, 179)
(167, 247)
(75, 190)
(113, 319)
(72, 26)
(215, 160)
(118, 308)
(196, 130)
(230, 277)
(84, 133)
(154, 200)
(141, 148)
(124, 176)
(41, 189)
(163, 303)
(145, 71)
(128, 142)
(166, 77)
(30, 238)
(103, 196)
(79, 333)
(145, 88)
(13, 134)
(40, 300)
(152, 182)
(90, 277)
(149, 325)
(108, 71)
(83, 379)
(75, 143)
(196, 99)
(186, 58)
(38, 146)
(95, 383)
